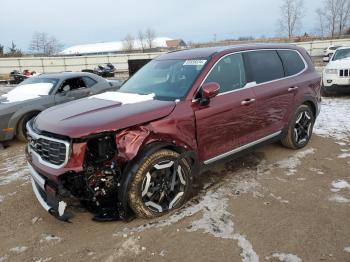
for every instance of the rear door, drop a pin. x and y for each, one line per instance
(274, 92)
(229, 120)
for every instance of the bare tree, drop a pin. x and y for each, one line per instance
(141, 39)
(291, 16)
(343, 15)
(334, 16)
(320, 23)
(14, 51)
(150, 35)
(44, 44)
(128, 43)
(2, 48)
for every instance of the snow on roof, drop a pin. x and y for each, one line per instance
(109, 47)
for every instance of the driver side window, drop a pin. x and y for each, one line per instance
(73, 83)
(229, 73)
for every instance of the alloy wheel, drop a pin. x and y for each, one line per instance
(163, 186)
(302, 128)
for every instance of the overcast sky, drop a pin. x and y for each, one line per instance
(88, 21)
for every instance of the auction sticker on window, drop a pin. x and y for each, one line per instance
(195, 62)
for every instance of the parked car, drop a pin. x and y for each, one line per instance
(329, 51)
(336, 75)
(107, 70)
(38, 93)
(17, 77)
(135, 151)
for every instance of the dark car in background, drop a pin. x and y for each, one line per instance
(135, 151)
(40, 92)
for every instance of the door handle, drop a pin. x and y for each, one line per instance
(291, 89)
(248, 102)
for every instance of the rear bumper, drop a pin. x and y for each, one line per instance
(47, 196)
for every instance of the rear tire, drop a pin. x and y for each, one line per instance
(21, 134)
(155, 189)
(300, 128)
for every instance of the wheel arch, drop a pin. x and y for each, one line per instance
(133, 165)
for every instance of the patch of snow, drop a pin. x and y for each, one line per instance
(347, 249)
(129, 246)
(280, 199)
(341, 143)
(316, 170)
(286, 257)
(124, 98)
(248, 254)
(340, 184)
(1, 198)
(339, 199)
(27, 92)
(50, 238)
(344, 155)
(13, 169)
(333, 120)
(294, 161)
(19, 249)
(163, 253)
(4, 258)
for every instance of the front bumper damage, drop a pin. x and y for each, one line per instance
(48, 197)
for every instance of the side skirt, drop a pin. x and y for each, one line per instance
(247, 147)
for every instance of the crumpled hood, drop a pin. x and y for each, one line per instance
(94, 115)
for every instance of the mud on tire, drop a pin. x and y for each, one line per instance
(300, 128)
(155, 179)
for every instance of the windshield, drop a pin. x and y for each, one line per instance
(341, 54)
(35, 80)
(166, 79)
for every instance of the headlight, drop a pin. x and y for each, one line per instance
(331, 71)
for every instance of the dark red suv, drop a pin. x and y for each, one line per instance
(135, 151)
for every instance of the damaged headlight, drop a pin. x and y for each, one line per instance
(101, 149)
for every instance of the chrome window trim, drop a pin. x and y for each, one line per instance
(241, 148)
(248, 84)
(42, 161)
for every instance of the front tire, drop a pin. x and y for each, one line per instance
(162, 183)
(21, 133)
(300, 128)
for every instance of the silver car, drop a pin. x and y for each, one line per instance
(38, 93)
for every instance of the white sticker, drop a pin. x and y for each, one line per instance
(195, 62)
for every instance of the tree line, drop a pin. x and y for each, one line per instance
(332, 18)
(143, 41)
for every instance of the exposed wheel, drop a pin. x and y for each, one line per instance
(300, 128)
(21, 133)
(162, 183)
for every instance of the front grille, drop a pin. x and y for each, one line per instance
(50, 151)
(344, 72)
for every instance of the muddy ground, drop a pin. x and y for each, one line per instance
(273, 204)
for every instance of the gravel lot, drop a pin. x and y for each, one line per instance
(272, 205)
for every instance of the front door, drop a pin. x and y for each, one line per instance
(228, 121)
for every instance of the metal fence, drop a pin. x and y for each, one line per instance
(73, 63)
(78, 63)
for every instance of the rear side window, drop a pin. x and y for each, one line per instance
(89, 81)
(263, 66)
(292, 62)
(229, 73)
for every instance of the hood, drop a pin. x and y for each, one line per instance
(106, 112)
(339, 64)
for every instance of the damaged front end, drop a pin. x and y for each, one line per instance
(92, 175)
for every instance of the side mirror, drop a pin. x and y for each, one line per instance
(326, 59)
(209, 90)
